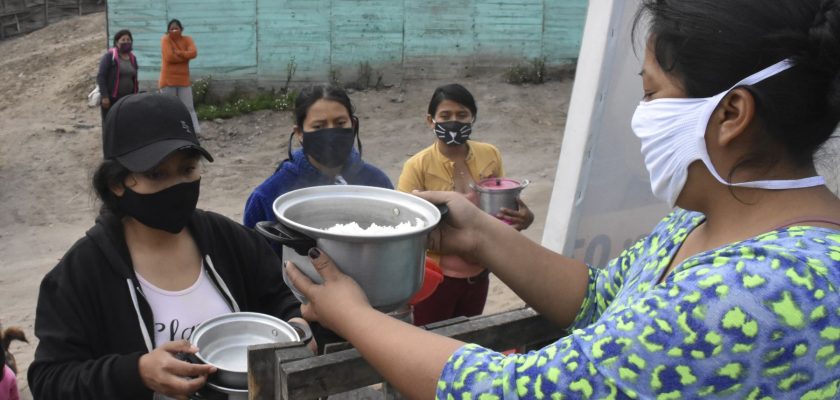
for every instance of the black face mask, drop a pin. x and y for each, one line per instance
(169, 209)
(330, 147)
(453, 132)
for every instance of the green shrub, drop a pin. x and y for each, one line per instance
(200, 88)
(534, 72)
(239, 104)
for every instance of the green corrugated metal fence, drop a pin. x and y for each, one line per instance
(258, 39)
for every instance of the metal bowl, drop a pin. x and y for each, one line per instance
(223, 342)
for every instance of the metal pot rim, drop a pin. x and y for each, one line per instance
(295, 197)
(478, 187)
(224, 389)
(209, 324)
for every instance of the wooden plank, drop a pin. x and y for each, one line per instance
(263, 363)
(346, 370)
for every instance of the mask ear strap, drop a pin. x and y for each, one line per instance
(356, 132)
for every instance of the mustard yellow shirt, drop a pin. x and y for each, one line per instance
(431, 170)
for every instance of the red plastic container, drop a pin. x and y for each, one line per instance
(432, 277)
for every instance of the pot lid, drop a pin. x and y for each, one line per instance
(499, 184)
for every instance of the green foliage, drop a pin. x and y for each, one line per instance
(239, 103)
(200, 88)
(534, 72)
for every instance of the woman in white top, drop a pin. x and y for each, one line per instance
(121, 304)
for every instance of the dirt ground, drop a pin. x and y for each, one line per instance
(51, 143)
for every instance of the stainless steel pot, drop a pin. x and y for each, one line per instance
(497, 193)
(223, 341)
(389, 267)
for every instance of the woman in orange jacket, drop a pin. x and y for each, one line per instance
(176, 52)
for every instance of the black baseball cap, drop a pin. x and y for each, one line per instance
(143, 129)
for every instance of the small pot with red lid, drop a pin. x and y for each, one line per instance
(497, 193)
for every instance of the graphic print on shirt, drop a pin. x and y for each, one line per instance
(173, 330)
(178, 313)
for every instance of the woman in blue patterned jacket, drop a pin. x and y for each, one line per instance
(735, 294)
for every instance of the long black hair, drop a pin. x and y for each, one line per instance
(311, 94)
(709, 45)
(108, 174)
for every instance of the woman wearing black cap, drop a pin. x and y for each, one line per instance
(123, 301)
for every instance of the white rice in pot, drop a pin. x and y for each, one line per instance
(354, 229)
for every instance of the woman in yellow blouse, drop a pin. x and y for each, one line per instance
(452, 163)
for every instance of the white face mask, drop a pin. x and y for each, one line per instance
(673, 130)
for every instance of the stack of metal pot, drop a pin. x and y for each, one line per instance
(223, 342)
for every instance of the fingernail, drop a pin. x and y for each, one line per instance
(314, 253)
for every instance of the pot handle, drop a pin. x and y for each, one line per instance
(443, 208)
(524, 183)
(303, 331)
(286, 236)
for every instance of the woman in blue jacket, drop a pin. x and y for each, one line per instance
(326, 127)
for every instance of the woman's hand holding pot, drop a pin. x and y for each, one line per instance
(460, 231)
(331, 301)
(519, 219)
(162, 372)
(312, 345)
